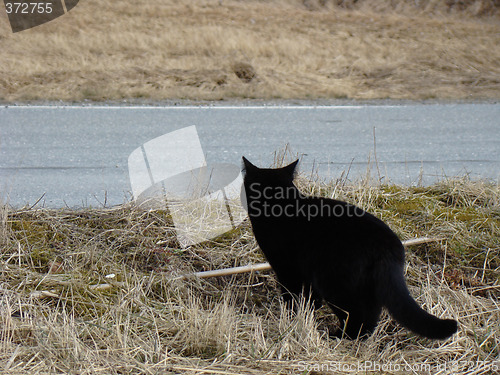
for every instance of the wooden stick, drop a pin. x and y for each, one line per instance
(105, 286)
(44, 294)
(420, 240)
(222, 272)
(266, 266)
(230, 271)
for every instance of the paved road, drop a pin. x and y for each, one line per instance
(77, 156)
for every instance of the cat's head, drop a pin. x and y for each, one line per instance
(269, 176)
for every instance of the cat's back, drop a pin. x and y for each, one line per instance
(338, 224)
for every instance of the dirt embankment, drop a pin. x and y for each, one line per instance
(223, 49)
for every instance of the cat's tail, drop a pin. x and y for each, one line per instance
(409, 314)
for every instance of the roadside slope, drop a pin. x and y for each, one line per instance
(212, 50)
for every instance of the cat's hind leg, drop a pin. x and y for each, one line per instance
(292, 292)
(356, 321)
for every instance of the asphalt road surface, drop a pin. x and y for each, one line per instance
(77, 156)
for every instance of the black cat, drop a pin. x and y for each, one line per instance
(335, 252)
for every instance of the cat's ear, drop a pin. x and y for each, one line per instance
(290, 168)
(247, 166)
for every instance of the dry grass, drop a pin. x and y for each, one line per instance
(151, 322)
(220, 49)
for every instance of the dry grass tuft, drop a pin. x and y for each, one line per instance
(300, 49)
(55, 319)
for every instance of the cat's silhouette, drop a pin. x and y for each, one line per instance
(335, 252)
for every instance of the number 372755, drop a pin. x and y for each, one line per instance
(28, 8)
